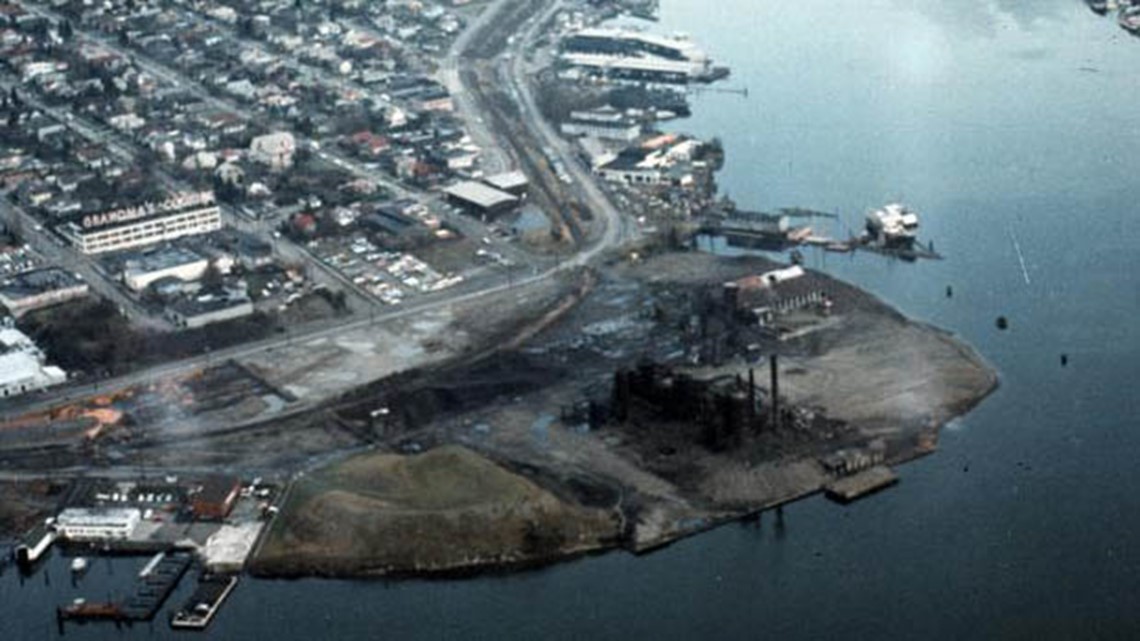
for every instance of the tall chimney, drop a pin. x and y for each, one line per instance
(752, 397)
(775, 391)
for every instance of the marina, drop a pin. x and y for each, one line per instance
(150, 592)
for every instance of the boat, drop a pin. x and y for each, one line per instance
(1099, 7)
(894, 226)
(78, 565)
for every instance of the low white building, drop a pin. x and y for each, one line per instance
(23, 366)
(97, 524)
(164, 262)
(275, 150)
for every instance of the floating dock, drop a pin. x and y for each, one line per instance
(201, 607)
(151, 591)
(858, 485)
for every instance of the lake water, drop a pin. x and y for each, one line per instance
(996, 119)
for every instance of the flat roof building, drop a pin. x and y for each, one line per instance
(183, 214)
(97, 524)
(511, 182)
(480, 198)
(203, 310)
(143, 269)
(40, 288)
(23, 366)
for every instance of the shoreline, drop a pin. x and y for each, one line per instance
(666, 523)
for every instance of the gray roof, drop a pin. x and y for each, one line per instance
(480, 195)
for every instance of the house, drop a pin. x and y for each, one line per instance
(275, 149)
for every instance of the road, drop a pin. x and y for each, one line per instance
(615, 231)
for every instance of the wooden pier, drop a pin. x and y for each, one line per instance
(860, 484)
(201, 607)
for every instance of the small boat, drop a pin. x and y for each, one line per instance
(79, 565)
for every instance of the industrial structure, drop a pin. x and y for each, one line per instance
(629, 54)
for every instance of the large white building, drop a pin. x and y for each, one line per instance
(97, 524)
(634, 54)
(166, 262)
(183, 214)
(23, 366)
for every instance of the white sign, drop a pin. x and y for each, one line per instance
(178, 202)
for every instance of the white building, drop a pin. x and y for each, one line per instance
(275, 150)
(165, 262)
(23, 366)
(184, 214)
(97, 524)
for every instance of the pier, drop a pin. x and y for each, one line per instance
(201, 607)
(856, 486)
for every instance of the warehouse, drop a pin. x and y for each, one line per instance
(480, 199)
(22, 365)
(40, 288)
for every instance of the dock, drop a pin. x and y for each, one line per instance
(34, 544)
(858, 485)
(151, 591)
(201, 607)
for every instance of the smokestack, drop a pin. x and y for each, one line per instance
(752, 396)
(775, 391)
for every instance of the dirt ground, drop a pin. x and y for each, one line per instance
(445, 509)
(23, 505)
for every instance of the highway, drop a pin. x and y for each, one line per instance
(615, 231)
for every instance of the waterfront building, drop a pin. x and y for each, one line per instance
(97, 524)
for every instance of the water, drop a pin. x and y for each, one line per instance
(987, 117)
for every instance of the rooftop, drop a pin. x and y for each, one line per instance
(480, 195)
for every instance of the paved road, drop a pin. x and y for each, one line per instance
(615, 231)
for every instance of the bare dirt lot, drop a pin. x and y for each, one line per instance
(448, 508)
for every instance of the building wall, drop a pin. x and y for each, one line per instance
(139, 280)
(20, 306)
(201, 320)
(145, 232)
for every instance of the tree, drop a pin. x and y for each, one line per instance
(66, 31)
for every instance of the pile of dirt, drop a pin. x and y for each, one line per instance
(443, 510)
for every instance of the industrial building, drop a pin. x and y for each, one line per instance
(40, 288)
(141, 270)
(23, 366)
(215, 497)
(481, 199)
(97, 524)
(190, 313)
(184, 214)
(511, 182)
(605, 123)
(625, 53)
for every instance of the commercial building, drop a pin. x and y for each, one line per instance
(165, 262)
(184, 214)
(605, 123)
(481, 199)
(97, 524)
(511, 182)
(215, 497)
(624, 53)
(190, 313)
(40, 288)
(23, 366)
